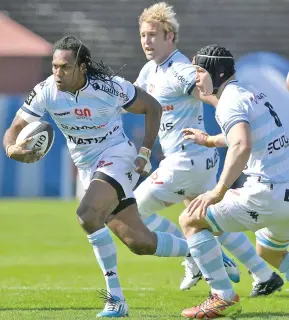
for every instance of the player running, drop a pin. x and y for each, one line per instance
(85, 100)
(258, 146)
(187, 169)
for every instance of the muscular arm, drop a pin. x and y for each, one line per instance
(216, 141)
(239, 139)
(147, 105)
(12, 132)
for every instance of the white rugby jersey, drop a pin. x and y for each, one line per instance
(171, 83)
(269, 159)
(90, 119)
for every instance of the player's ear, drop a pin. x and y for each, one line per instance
(170, 36)
(83, 68)
(193, 59)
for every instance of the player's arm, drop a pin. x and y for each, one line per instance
(150, 107)
(32, 110)
(15, 151)
(202, 138)
(239, 141)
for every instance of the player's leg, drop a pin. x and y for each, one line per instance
(272, 244)
(152, 196)
(99, 201)
(192, 272)
(241, 247)
(206, 251)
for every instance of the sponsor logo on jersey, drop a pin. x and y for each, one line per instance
(166, 126)
(168, 108)
(113, 92)
(257, 97)
(212, 161)
(61, 114)
(83, 141)
(82, 113)
(76, 128)
(179, 77)
(277, 144)
(30, 97)
(151, 88)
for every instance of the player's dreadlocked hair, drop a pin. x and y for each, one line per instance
(216, 60)
(95, 70)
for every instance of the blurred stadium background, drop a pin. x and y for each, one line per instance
(256, 31)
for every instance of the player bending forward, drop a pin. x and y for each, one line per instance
(258, 146)
(188, 169)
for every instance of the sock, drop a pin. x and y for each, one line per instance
(158, 223)
(284, 266)
(241, 248)
(105, 253)
(170, 245)
(206, 251)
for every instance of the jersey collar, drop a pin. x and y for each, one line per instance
(168, 58)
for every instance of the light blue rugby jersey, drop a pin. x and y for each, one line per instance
(269, 159)
(171, 83)
(90, 119)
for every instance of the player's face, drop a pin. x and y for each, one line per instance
(157, 45)
(67, 74)
(204, 81)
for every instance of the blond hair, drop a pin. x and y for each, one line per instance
(164, 14)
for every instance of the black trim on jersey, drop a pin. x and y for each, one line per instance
(123, 205)
(116, 185)
(233, 123)
(86, 84)
(168, 58)
(191, 88)
(129, 103)
(76, 95)
(30, 112)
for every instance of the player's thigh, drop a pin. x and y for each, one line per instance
(129, 228)
(148, 198)
(272, 243)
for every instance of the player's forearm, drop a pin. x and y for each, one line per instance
(235, 162)
(216, 141)
(10, 136)
(152, 124)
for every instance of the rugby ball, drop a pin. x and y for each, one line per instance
(42, 135)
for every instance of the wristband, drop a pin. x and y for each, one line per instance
(144, 153)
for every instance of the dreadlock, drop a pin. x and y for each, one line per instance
(95, 70)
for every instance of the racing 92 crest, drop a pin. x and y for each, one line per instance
(30, 97)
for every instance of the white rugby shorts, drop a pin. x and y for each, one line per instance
(179, 176)
(118, 163)
(259, 207)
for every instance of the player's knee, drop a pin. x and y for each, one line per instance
(140, 247)
(89, 215)
(190, 225)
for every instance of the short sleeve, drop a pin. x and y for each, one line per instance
(34, 106)
(185, 75)
(230, 113)
(126, 93)
(141, 79)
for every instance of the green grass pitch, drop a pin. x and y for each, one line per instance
(48, 271)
